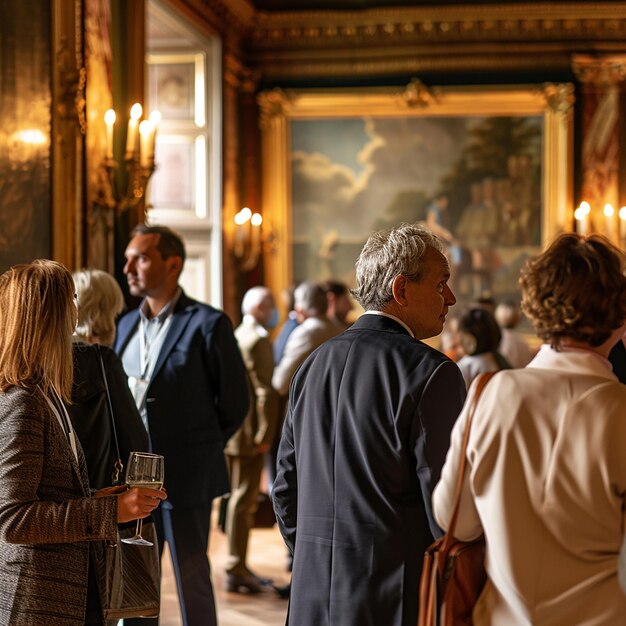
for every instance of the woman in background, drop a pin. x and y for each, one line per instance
(49, 523)
(100, 300)
(480, 339)
(546, 471)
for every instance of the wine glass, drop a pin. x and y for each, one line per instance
(143, 470)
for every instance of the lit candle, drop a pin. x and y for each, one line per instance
(132, 136)
(155, 119)
(256, 220)
(240, 220)
(109, 120)
(622, 225)
(581, 215)
(609, 212)
(146, 148)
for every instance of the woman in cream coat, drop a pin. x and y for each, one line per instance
(49, 522)
(546, 477)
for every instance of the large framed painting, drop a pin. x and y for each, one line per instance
(488, 169)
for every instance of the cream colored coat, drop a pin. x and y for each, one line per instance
(546, 484)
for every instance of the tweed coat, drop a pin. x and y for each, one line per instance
(47, 517)
(366, 434)
(546, 483)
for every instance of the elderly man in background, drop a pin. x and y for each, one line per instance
(366, 434)
(314, 329)
(246, 449)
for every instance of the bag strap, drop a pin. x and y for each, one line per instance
(480, 385)
(118, 466)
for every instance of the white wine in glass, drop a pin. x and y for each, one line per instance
(143, 470)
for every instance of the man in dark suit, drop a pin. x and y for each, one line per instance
(190, 385)
(366, 434)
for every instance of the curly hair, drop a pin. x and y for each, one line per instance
(575, 289)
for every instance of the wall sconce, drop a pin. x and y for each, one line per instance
(138, 156)
(249, 238)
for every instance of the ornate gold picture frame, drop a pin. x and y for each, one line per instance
(430, 120)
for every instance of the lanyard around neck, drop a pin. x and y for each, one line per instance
(146, 354)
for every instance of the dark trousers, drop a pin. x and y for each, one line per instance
(187, 534)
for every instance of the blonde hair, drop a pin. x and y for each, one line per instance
(100, 300)
(37, 317)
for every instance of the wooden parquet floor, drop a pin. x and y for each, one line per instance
(267, 558)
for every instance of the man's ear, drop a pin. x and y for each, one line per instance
(398, 289)
(175, 265)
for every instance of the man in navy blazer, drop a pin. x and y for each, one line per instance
(190, 385)
(367, 430)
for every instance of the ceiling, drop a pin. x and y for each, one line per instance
(351, 5)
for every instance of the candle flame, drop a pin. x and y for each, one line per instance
(136, 111)
(256, 219)
(145, 128)
(609, 211)
(109, 117)
(155, 117)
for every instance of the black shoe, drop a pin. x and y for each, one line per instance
(242, 584)
(283, 592)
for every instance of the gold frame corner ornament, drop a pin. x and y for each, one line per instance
(279, 108)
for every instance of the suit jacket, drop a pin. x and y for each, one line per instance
(46, 516)
(304, 338)
(546, 484)
(367, 429)
(195, 401)
(259, 426)
(91, 418)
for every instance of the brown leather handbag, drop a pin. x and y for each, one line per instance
(453, 574)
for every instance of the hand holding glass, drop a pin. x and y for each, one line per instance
(143, 470)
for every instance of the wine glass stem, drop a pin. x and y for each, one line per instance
(138, 529)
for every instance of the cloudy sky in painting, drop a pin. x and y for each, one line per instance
(346, 172)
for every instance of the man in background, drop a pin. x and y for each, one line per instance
(313, 329)
(339, 304)
(246, 449)
(366, 434)
(189, 384)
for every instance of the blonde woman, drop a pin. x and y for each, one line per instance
(100, 300)
(49, 523)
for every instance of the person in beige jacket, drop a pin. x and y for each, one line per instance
(546, 476)
(246, 449)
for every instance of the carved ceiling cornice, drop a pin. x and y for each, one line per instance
(488, 37)
(318, 29)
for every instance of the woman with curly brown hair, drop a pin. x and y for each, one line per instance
(546, 470)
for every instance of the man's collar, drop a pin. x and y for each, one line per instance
(164, 312)
(393, 317)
